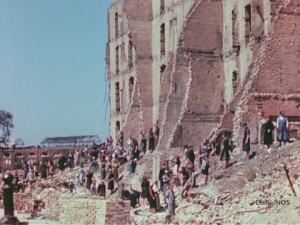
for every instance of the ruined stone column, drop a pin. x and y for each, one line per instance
(8, 202)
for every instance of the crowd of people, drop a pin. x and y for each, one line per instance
(98, 170)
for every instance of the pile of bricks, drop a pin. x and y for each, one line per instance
(117, 212)
(72, 209)
(78, 211)
(52, 204)
(23, 202)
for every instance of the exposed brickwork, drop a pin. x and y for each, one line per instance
(204, 96)
(23, 202)
(117, 212)
(213, 79)
(165, 87)
(276, 81)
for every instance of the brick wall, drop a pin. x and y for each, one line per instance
(23, 202)
(165, 87)
(281, 64)
(276, 77)
(71, 209)
(192, 94)
(199, 78)
(25, 152)
(139, 116)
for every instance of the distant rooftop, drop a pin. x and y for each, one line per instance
(84, 140)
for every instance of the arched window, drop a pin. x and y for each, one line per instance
(131, 84)
(31, 155)
(235, 83)
(116, 24)
(162, 40)
(117, 127)
(248, 15)
(44, 155)
(162, 6)
(19, 155)
(6, 159)
(234, 28)
(162, 70)
(31, 158)
(117, 60)
(118, 97)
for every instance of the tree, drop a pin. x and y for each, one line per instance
(6, 124)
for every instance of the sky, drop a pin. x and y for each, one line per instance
(52, 67)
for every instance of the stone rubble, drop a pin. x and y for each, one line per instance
(235, 195)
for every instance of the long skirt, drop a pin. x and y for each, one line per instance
(171, 209)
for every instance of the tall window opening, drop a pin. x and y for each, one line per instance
(162, 6)
(235, 83)
(116, 24)
(118, 97)
(162, 40)
(117, 127)
(117, 60)
(234, 28)
(131, 84)
(247, 22)
(162, 70)
(130, 59)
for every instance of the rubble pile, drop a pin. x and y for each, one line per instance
(256, 191)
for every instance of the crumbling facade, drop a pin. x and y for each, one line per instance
(191, 65)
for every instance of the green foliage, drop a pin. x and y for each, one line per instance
(6, 124)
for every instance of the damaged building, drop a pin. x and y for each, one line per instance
(198, 68)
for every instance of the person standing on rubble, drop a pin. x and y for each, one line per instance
(145, 185)
(171, 202)
(44, 170)
(225, 148)
(204, 163)
(160, 176)
(143, 145)
(268, 133)
(81, 174)
(76, 158)
(151, 141)
(89, 179)
(61, 163)
(31, 175)
(246, 140)
(101, 189)
(110, 181)
(282, 128)
(94, 165)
